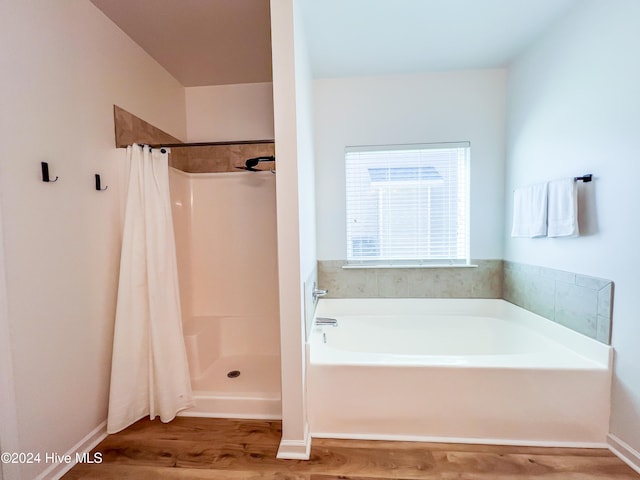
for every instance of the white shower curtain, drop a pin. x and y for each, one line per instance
(149, 373)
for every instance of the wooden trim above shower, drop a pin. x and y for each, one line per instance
(205, 157)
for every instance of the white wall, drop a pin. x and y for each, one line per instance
(64, 65)
(8, 422)
(230, 112)
(295, 212)
(423, 108)
(306, 156)
(574, 108)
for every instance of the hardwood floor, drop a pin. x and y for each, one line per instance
(201, 448)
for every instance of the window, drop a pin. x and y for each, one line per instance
(408, 204)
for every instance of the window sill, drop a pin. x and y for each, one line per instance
(356, 267)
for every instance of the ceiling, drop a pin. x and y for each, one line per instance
(218, 42)
(200, 42)
(374, 37)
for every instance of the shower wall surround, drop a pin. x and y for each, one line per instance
(579, 302)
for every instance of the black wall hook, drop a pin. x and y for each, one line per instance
(98, 184)
(45, 173)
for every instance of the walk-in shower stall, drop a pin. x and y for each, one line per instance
(225, 227)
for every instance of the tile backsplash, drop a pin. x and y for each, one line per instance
(130, 129)
(220, 158)
(576, 301)
(481, 281)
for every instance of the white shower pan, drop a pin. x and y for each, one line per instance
(231, 374)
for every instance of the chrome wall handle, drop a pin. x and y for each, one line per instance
(321, 321)
(317, 293)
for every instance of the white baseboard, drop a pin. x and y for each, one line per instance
(624, 451)
(93, 438)
(295, 449)
(470, 440)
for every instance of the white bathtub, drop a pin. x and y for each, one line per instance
(463, 370)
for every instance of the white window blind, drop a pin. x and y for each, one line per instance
(408, 204)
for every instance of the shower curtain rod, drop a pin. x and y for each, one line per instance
(209, 144)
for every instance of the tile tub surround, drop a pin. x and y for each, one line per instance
(579, 302)
(576, 301)
(481, 281)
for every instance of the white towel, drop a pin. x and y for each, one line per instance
(530, 211)
(563, 208)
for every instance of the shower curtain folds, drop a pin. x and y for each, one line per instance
(149, 374)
